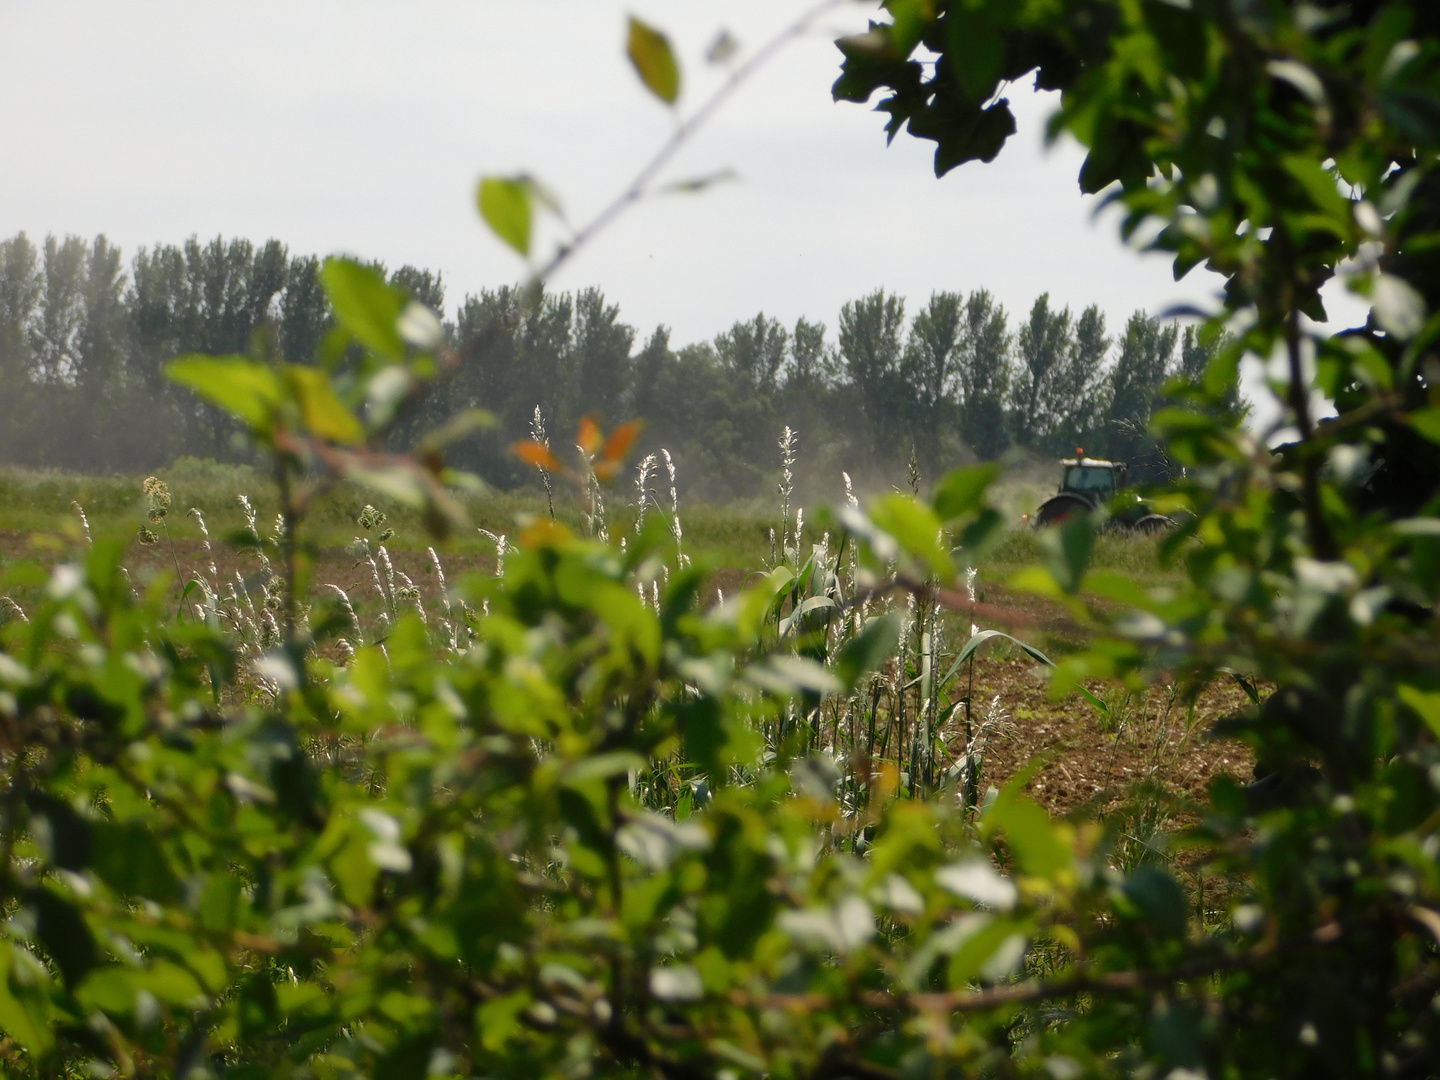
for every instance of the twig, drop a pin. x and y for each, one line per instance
(639, 187)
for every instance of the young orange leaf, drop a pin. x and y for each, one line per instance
(539, 455)
(621, 439)
(588, 438)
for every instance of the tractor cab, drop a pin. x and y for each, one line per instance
(1092, 478)
(1090, 484)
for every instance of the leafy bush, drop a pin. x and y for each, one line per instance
(600, 832)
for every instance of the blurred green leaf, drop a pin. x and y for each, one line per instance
(917, 530)
(963, 491)
(25, 1010)
(129, 859)
(1029, 832)
(649, 50)
(248, 390)
(506, 204)
(1426, 421)
(1425, 703)
(868, 650)
(1068, 548)
(365, 306)
(322, 411)
(1159, 899)
(61, 929)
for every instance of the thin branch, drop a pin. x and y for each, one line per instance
(1322, 541)
(639, 187)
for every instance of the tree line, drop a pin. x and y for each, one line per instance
(84, 339)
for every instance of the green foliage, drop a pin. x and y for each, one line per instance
(649, 50)
(601, 833)
(505, 206)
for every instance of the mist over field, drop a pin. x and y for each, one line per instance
(86, 332)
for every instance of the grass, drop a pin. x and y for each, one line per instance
(40, 502)
(1135, 554)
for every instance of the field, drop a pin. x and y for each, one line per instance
(1147, 757)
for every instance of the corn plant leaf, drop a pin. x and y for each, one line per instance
(365, 305)
(649, 50)
(242, 387)
(981, 637)
(507, 206)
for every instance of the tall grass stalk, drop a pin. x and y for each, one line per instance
(537, 432)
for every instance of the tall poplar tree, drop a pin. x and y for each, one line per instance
(983, 371)
(871, 335)
(928, 371)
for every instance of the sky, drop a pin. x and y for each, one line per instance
(362, 127)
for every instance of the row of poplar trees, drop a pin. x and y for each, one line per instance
(84, 337)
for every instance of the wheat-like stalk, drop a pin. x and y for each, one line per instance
(681, 559)
(502, 548)
(971, 573)
(349, 613)
(788, 441)
(13, 606)
(440, 578)
(389, 568)
(84, 523)
(537, 432)
(642, 486)
(970, 764)
(250, 524)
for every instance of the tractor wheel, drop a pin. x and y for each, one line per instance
(1060, 508)
(1154, 524)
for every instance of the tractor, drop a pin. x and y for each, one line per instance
(1090, 484)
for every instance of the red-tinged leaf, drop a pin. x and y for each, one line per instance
(539, 455)
(621, 439)
(605, 470)
(589, 437)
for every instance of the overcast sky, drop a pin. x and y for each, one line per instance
(362, 126)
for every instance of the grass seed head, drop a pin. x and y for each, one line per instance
(84, 523)
(370, 518)
(157, 492)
